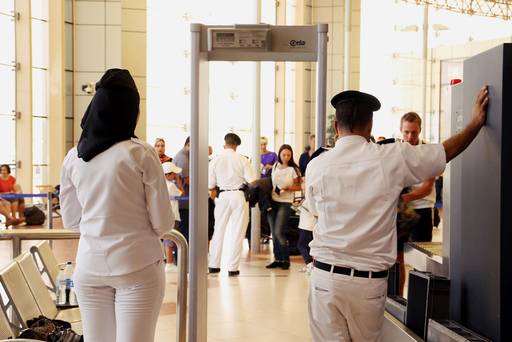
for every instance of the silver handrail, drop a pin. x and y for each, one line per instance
(181, 301)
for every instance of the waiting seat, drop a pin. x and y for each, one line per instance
(46, 262)
(41, 294)
(20, 295)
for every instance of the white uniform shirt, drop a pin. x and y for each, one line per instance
(229, 171)
(120, 204)
(353, 190)
(283, 178)
(426, 202)
(174, 191)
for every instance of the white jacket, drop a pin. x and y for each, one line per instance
(120, 203)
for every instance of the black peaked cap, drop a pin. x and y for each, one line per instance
(356, 97)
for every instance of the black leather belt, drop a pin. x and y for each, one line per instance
(230, 190)
(348, 271)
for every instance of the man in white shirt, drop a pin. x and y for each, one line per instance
(229, 171)
(353, 190)
(422, 196)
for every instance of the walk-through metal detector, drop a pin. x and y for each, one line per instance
(236, 43)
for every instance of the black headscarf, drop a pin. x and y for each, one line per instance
(112, 114)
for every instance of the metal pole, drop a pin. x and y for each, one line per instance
(198, 214)
(321, 78)
(49, 212)
(424, 71)
(256, 133)
(181, 302)
(347, 43)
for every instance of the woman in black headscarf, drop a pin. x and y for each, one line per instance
(113, 190)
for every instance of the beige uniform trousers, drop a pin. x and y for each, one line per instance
(346, 308)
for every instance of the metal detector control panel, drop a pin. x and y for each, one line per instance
(255, 39)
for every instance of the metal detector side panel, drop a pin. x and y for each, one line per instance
(485, 263)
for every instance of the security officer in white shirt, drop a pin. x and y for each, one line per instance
(113, 190)
(229, 171)
(353, 190)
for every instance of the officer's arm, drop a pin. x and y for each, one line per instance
(424, 190)
(454, 145)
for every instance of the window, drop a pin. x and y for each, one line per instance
(232, 84)
(40, 55)
(7, 85)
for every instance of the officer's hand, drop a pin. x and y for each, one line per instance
(480, 107)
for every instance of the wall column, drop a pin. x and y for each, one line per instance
(57, 82)
(24, 95)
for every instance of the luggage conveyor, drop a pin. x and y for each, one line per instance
(426, 257)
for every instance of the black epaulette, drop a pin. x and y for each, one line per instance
(387, 141)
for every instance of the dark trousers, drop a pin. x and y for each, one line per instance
(183, 226)
(422, 231)
(305, 237)
(278, 221)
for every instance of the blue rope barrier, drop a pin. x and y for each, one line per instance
(11, 196)
(181, 198)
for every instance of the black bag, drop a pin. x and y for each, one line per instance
(51, 330)
(34, 216)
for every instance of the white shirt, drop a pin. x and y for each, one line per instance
(426, 202)
(353, 189)
(174, 191)
(229, 171)
(283, 178)
(119, 202)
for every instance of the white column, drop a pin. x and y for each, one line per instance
(256, 133)
(198, 214)
(321, 85)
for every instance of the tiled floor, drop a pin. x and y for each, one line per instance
(259, 305)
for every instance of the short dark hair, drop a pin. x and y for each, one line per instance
(353, 115)
(232, 139)
(187, 141)
(7, 167)
(410, 117)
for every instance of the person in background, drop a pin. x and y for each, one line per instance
(268, 158)
(229, 171)
(175, 189)
(286, 179)
(305, 157)
(160, 150)
(422, 196)
(210, 152)
(7, 186)
(381, 138)
(113, 190)
(307, 224)
(5, 210)
(182, 160)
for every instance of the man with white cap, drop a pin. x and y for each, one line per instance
(353, 190)
(229, 171)
(175, 189)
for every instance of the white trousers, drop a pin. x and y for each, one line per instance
(346, 308)
(120, 308)
(231, 210)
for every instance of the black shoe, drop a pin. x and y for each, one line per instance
(212, 270)
(274, 264)
(233, 273)
(285, 265)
